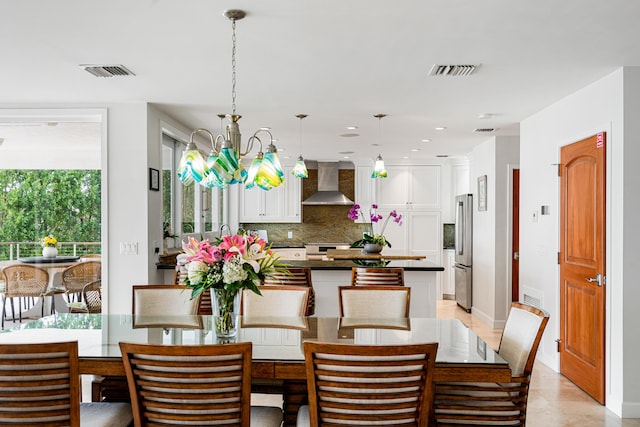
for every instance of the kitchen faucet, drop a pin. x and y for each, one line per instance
(222, 228)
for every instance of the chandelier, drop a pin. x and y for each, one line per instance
(224, 166)
(300, 168)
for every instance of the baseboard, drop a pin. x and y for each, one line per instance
(487, 320)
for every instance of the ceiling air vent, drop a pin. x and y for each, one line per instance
(452, 70)
(107, 70)
(484, 130)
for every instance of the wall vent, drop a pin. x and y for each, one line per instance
(531, 297)
(452, 70)
(107, 70)
(484, 130)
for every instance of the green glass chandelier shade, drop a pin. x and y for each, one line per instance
(253, 170)
(300, 169)
(378, 169)
(192, 166)
(232, 170)
(270, 173)
(215, 175)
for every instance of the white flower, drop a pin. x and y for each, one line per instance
(232, 271)
(196, 271)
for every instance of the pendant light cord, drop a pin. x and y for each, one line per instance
(233, 68)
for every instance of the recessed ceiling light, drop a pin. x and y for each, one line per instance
(265, 128)
(425, 140)
(345, 152)
(352, 127)
(440, 128)
(345, 157)
(375, 144)
(349, 135)
(442, 155)
(405, 157)
(415, 149)
(485, 115)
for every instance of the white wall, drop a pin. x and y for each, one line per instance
(601, 106)
(491, 234)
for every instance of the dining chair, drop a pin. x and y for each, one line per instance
(377, 276)
(351, 384)
(92, 296)
(275, 301)
(499, 404)
(40, 386)
(376, 301)
(25, 282)
(178, 385)
(153, 305)
(79, 274)
(295, 276)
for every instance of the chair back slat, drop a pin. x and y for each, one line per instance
(385, 276)
(189, 385)
(39, 384)
(382, 385)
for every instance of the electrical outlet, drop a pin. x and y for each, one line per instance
(534, 217)
(290, 235)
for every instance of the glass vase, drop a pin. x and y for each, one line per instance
(225, 305)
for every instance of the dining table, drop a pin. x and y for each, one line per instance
(277, 350)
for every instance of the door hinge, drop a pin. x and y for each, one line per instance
(558, 258)
(558, 341)
(559, 169)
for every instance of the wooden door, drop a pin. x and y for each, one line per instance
(515, 237)
(582, 264)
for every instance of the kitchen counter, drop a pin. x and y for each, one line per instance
(349, 264)
(358, 254)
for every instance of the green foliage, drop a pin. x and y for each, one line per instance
(36, 203)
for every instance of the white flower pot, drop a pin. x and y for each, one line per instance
(49, 252)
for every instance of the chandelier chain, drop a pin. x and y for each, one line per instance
(233, 68)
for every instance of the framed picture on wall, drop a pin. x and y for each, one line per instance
(154, 179)
(482, 193)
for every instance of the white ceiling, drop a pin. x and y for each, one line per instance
(340, 62)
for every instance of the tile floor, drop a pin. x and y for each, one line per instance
(554, 401)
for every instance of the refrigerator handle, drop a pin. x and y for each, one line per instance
(460, 225)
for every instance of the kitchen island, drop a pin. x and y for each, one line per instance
(420, 276)
(326, 276)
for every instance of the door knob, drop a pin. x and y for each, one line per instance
(597, 280)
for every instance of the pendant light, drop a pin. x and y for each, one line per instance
(300, 169)
(378, 168)
(224, 164)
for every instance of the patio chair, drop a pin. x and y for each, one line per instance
(77, 275)
(368, 384)
(25, 282)
(40, 386)
(175, 385)
(497, 404)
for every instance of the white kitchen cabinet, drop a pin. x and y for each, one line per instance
(410, 187)
(455, 181)
(280, 204)
(419, 234)
(449, 278)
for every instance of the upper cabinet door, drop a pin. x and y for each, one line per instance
(280, 204)
(410, 187)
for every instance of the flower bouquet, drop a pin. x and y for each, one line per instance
(234, 263)
(370, 237)
(48, 244)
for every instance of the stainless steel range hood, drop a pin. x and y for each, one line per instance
(328, 193)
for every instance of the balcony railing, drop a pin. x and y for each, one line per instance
(11, 251)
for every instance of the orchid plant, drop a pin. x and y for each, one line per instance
(370, 236)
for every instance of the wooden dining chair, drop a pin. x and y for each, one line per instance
(377, 276)
(164, 305)
(295, 276)
(24, 282)
(498, 404)
(373, 302)
(40, 386)
(197, 385)
(275, 301)
(79, 274)
(352, 384)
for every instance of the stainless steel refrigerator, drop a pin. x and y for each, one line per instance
(464, 250)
